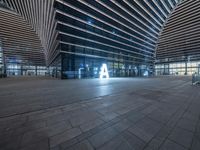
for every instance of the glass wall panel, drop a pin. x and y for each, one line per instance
(75, 66)
(1, 62)
(184, 68)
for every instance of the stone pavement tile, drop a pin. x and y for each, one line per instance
(145, 129)
(164, 132)
(83, 136)
(115, 120)
(169, 145)
(135, 116)
(187, 124)
(128, 105)
(55, 148)
(198, 127)
(96, 107)
(167, 108)
(160, 116)
(83, 118)
(102, 137)
(90, 125)
(36, 124)
(135, 142)
(194, 109)
(124, 109)
(62, 137)
(124, 146)
(175, 117)
(140, 133)
(6, 136)
(57, 128)
(84, 145)
(108, 109)
(117, 143)
(188, 115)
(109, 116)
(131, 107)
(149, 148)
(122, 125)
(113, 144)
(181, 137)
(33, 137)
(69, 149)
(104, 110)
(109, 100)
(12, 122)
(195, 143)
(99, 128)
(149, 109)
(67, 145)
(44, 115)
(72, 107)
(149, 125)
(10, 142)
(197, 135)
(105, 125)
(154, 144)
(29, 126)
(78, 112)
(96, 102)
(42, 145)
(56, 118)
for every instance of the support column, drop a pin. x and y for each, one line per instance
(21, 70)
(166, 69)
(67, 66)
(186, 68)
(36, 70)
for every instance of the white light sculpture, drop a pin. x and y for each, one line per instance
(104, 72)
(79, 72)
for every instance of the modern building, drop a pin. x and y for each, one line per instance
(148, 48)
(74, 38)
(178, 48)
(1, 62)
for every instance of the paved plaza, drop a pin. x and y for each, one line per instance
(91, 114)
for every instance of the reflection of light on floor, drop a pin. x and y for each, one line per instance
(106, 87)
(104, 90)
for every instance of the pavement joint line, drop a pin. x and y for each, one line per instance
(59, 106)
(83, 101)
(175, 125)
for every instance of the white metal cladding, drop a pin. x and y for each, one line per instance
(139, 22)
(20, 43)
(40, 15)
(180, 39)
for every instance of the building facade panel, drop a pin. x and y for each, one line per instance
(79, 36)
(178, 50)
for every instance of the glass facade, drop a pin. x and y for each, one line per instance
(89, 37)
(1, 61)
(74, 66)
(178, 48)
(16, 69)
(179, 68)
(77, 37)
